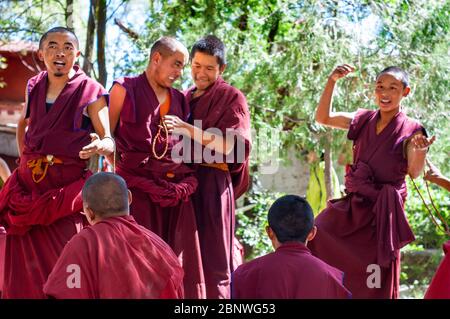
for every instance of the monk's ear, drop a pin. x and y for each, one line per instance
(156, 57)
(406, 91)
(90, 216)
(41, 55)
(222, 68)
(270, 232)
(130, 197)
(312, 234)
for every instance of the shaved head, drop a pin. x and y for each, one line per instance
(166, 46)
(58, 30)
(106, 194)
(397, 73)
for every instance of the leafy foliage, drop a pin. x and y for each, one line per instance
(280, 53)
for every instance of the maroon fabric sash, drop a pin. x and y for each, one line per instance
(23, 203)
(165, 182)
(392, 228)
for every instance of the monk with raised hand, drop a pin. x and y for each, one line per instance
(291, 272)
(161, 186)
(40, 204)
(362, 233)
(115, 257)
(219, 126)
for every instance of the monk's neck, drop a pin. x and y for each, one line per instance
(160, 91)
(198, 93)
(57, 83)
(386, 117)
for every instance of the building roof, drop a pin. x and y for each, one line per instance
(18, 46)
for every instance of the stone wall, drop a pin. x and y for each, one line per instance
(8, 144)
(291, 177)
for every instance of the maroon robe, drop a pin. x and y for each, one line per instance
(440, 284)
(161, 188)
(2, 256)
(117, 258)
(223, 107)
(362, 233)
(291, 272)
(40, 218)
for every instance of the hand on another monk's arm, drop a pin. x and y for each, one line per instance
(210, 140)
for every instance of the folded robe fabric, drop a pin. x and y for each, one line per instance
(116, 258)
(440, 284)
(362, 233)
(40, 217)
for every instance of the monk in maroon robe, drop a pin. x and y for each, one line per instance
(2, 256)
(115, 257)
(161, 187)
(40, 203)
(291, 272)
(362, 233)
(440, 284)
(222, 141)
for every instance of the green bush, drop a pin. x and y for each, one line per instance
(427, 234)
(252, 220)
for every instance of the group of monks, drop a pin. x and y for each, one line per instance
(162, 226)
(69, 117)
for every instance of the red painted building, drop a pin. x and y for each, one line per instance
(19, 62)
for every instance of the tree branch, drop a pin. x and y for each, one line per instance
(132, 34)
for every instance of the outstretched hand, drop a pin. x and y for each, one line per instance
(421, 142)
(97, 146)
(341, 71)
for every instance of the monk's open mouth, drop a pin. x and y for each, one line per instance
(59, 63)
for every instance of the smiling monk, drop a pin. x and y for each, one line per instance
(161, 187)
(221, 131)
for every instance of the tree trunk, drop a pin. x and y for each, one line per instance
(274, 25)
(89, 47)
(101, 36)
(327, 172)
(68, 14)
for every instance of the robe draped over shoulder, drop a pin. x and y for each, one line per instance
(221, 109)
(116, 258)
(161, 187)
(40, 202)
(440, 284)
(366, 229)
(291, 272)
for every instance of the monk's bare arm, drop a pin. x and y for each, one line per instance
(210, 140)
(116, 99)
(102, 142)
(22, 125)
(435, 176)
(5, 172)
(324, 115)
(416, 151)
